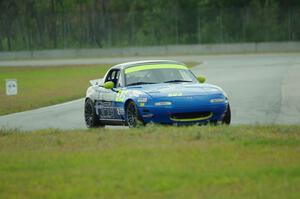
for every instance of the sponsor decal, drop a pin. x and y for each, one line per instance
(142, 104)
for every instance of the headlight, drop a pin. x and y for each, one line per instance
(142, 99)
(163, 103)
(217, 100)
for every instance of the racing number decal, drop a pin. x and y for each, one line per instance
(121, 95)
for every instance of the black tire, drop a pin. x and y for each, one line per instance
(90, 116)
(132, 116)
(227, 118)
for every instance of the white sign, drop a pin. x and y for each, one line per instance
(11, 87)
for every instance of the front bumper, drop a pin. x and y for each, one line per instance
(189, 114)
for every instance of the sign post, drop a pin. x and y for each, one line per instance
(11, 87)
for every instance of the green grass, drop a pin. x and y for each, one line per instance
(152, 162)
(43, 86)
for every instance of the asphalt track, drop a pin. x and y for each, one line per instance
(263, 89)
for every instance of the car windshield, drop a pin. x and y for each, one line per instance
(159, 75)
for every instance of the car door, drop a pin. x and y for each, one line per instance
(107, 108)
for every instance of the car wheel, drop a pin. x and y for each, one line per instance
(90, 116)
(132, 115)
(227, 118)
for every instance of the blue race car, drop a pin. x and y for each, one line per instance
(155, 91)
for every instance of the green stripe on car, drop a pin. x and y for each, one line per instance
(156, 66)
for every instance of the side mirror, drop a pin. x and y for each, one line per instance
(109, 85)
(201, 79)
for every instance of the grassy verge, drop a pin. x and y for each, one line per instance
(42, 86)
(152, 162)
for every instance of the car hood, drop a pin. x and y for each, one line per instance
(177, 89)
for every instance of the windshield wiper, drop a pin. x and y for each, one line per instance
(140, 83)
(177, 80)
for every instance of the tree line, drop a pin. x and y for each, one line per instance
(59, 24)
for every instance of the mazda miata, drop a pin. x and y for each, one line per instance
(154, 91)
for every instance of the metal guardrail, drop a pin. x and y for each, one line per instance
(155, 50)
